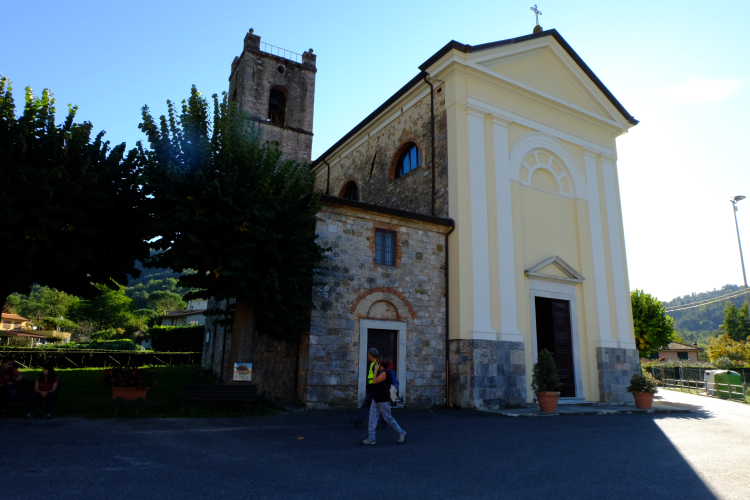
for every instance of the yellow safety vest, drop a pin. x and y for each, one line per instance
(370, 375)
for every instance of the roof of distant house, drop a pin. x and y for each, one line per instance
(182, 314)
(13, 317)
(676, 346)
(20, 333)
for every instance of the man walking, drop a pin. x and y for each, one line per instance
(372, 357)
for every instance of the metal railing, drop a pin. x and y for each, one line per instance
(692, 379)
(278, 51)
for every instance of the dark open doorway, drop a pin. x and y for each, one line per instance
(553, 333)
(385, 341)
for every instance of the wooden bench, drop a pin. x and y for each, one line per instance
(220, 393)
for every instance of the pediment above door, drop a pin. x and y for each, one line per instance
(554, 268)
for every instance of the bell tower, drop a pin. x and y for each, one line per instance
(276, 87)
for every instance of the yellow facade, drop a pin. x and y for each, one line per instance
(539, 91)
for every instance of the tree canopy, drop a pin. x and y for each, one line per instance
(72, 208)
(653, 328)
(233, 211)
(736, 323)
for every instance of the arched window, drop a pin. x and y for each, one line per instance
(408, 161)
(277, 107)
(350, 191)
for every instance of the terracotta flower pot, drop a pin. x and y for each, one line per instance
(643, 400)
(129, 393)
(547, 401)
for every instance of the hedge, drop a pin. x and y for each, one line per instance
(177, 338)
(100, 359)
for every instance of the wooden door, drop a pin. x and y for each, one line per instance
(554, 334)
(385, 341)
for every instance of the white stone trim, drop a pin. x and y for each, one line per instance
(480, 246)
(541, 127)
(364, 326)
(561, 291)
(506, 253)
(615, 245)
(572, 275)
(543, 141)
(597, 243)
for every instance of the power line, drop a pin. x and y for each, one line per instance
(706, 303)
(728, 295)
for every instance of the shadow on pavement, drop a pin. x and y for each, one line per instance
(447, 454)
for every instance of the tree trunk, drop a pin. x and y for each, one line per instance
(242, 345)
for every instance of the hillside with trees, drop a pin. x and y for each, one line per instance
(698, 324)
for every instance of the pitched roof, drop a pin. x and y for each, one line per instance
(462, 47)
(676, 346)
(14, 317)
(182, 314)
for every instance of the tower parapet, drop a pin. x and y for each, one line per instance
(276, 87)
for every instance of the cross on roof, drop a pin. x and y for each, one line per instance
(537, 12)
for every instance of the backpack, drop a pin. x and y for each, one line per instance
(393, 388)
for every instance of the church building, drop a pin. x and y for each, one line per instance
(474, 219)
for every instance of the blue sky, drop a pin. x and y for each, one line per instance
(678, 66)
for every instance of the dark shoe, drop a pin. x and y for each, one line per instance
(47, 416)
(401, 437)
(29, 416)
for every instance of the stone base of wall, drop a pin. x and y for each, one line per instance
(487, 374)
(615, 367)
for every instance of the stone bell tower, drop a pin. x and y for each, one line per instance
(277, 88)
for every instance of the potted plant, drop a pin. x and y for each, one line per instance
(643, 387)
(546, 382)
(128, 383)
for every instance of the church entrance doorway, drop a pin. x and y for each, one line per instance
(385, 341)
(553, 332)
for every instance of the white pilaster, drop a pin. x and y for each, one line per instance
(480, 257)
(507, 265)
(615, 245)
(597, 242)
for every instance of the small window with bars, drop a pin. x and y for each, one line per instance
(385, 247)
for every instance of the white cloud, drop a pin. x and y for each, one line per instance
(697, 90)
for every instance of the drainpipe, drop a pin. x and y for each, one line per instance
(447, 319)
(432, 126)
(328, 176)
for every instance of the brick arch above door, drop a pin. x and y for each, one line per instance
(364, 301)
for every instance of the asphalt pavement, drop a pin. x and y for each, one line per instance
(447, 454)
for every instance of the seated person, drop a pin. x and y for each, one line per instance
(46, 388)
(9, 377)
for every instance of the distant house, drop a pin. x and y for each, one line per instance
(194, 314)
(15, 322)
(676, 351)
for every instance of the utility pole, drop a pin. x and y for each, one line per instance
(742, 260)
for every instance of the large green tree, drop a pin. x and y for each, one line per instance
(234, 211)
(108, 308)
(71, 208)
(653, 328)
(163, 302)
(736, 322)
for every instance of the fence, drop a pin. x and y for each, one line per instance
(102, 359)
(278, 51)
(693, 379)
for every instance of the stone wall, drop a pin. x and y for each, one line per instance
(487, 374)
(355, 288)
(255, 73)
(371, 163)
(274, 362)
(615, 367)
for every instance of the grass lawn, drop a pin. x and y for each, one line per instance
(81, 395)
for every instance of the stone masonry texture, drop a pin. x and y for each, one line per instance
(255, 73)
(355, 288)
(371, 163)
(615, 367)
(487, 374)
